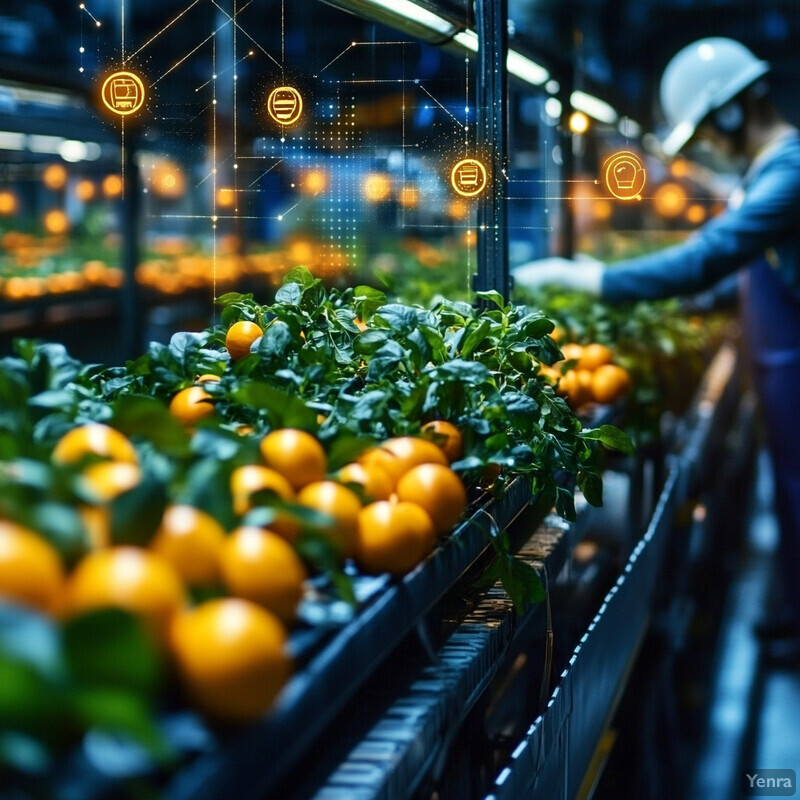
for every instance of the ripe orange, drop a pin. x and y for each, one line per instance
(191, 404)
(595, 355)
(576, 385)
(207, 377)
(297, 455)
(252, 478)
(338, 502)
(609, 383)
(231, 657)
(130, 578)
(97, 524)
(191, 540)
(446, 436)
(571, 351)
(31, 572)
(393, 537)
(240, 336)
(96, 439)
(397, 456)
(436, 489)
(106, 480)
(262, 566)
(376, 482)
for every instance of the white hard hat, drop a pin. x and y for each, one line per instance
(700, 79)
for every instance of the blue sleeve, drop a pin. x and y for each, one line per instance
(769, 212)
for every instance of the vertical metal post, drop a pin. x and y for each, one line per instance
(130, 322)
(491, 21)
(566, 233)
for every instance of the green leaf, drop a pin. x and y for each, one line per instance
(110, 647)
(137, 513)
(139, 415)
(283, 409)
(610, 436)
(399, 318)
(475, 336)
(52, 398)
(494, 297)
(290, 294)
(591, 484)
(300, 275)
(367, 301)
(367, 342)
(565, 503)
(117, 711)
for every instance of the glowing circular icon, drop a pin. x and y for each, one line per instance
(123, 93)
(624, 175)
(285, 105)
(468, 177)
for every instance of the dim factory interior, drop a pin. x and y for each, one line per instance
(308, 490)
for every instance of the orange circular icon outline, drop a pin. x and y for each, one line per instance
(624, 175)
(479, 177)
(123, 93)
(296, 106)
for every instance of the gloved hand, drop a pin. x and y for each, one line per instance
(584, 274)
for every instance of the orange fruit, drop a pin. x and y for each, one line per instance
(240, 336)
(31, 572)
(106, 480)
(595, 355)
(97, 524)
(231, 657)
(576, 386)
(396, 456)
(376, 482)
(207, 377)
(436, 489)
(297, 455)
(557, 334)
(338, 502)
(252, 478)
(262, 566)
(393, 537)
(191, 404)
(191, 540)
(137, 580)
(97, 439)
(571, 351)
(609, 383)
(446, 436)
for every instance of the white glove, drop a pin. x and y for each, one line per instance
(584, 274)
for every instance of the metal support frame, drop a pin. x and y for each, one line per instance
(130, 323)
(491, 20)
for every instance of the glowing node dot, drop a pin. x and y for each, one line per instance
(283, 138)
(213, 102)
(214, 218)
(81, 6)
(80, 69)
(280, 217)
(98, 24)
(214, 76)
(251, 53)
(236, 166)
(214, 171)
(236, 77)
(81, 49)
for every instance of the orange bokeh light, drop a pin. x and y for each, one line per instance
(8, 203)
(112, 186)
(56, 222)
(54, 176)
(670, 200)
(377, 187)
(84, 190)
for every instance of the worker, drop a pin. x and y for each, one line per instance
(715, 90)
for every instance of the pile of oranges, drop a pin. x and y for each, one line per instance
(384, 512)
(593, 377)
